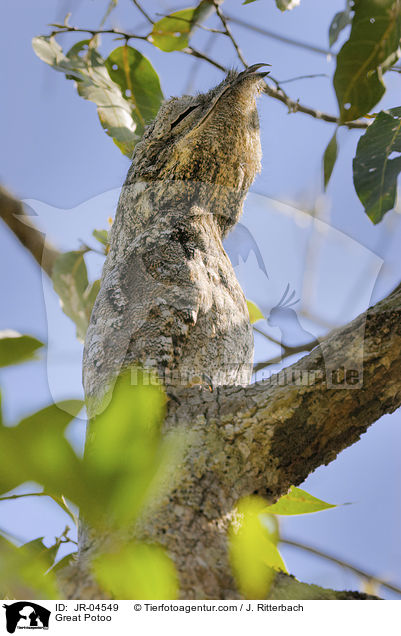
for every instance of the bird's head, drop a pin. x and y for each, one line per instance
(209, 138)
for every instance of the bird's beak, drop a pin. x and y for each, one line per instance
(251, 72)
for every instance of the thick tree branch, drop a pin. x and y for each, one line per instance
(275, 433)
(263, 438)
(12, 213)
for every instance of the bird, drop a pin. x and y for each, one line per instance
(169, 300)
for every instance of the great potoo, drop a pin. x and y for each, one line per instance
(169, 298)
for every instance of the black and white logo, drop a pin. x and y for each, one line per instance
(26, 615)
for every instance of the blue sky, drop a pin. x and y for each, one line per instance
(56, 156)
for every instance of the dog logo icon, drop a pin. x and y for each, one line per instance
(26, 615)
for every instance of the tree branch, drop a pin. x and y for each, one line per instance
(263, 438)
(278, 93)
(72, 29)
(12, 213)
(277, 36)
(294, 106)
(273, 434)
(344, 564)
(228, 32)
(286, 350)
(142, 10)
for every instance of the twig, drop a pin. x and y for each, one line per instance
(281, 38)
(267, 336)
(64, 538)
(344, 564)
(69, 29)
(193, 24)
(296, 107)
(302, 77)
(189, 50)
(228, 32)
(286, 350)
(28, 494)
(278, 93)
(142, 10)
(12, 213)
(195, 66)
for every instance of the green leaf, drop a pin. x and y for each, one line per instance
(137, 571)
(372, 48)
(283, 5)
(254, 556)
(329, 159)
(375, 168)
(255, 313)
(172, 33)
(127, 459)
(102, 236)
(287, 5)
(87, 68)
(48, 554)
(63, 562)
(297, 502)
(48, 457)
(16, 348)
(77, 296)
(138, 81)
(23, 571)
(340, 21)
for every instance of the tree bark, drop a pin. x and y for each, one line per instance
(262, 439)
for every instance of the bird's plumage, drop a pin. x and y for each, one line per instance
(169, 298)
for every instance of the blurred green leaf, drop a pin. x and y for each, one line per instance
(138, 81)
(102, 236)
(283, 5)
(253, 549)
(63, 562)
(77, 296)
(127, 458)
(137, 571)
(287, 5)
(340, 21)
(255, 313)
(372, 48)
(127, 464)
(47, 554)
(297, 502)
(16, 348)
(87, 68)
(23, 571)
(329, 159)
(48, 458)
(172, 33)
(377, 164)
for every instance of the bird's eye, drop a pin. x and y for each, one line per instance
(183, 115)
